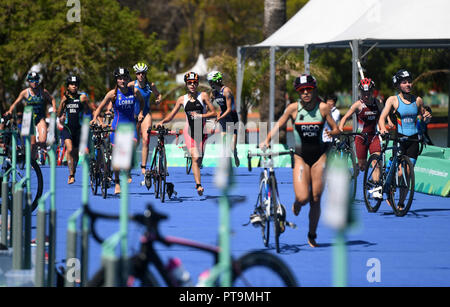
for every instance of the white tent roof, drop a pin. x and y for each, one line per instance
(325, 21)
(401, 20)
(200, 67)
(317, 22)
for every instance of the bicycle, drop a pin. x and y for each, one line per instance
(380, 178)
(158, 168)
(188, 158)
(268, 207)
(100, 164)
(243, 268)
(341, 148)
(36, 179)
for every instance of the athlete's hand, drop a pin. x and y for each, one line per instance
(140, 117)
(159, 124)
(264, 145)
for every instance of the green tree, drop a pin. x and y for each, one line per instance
(38, 32)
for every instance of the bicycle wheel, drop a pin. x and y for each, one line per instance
(188, 165)
(93, 177)
(36, 180)
(162, 174)
(262, 198)
(105, 172)
(261, 269)
(402, 188)
(373, 183)
(353, 169)
(274, 204)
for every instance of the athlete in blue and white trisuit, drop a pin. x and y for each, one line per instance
(123, 100)
(144, 88)
(408, 110)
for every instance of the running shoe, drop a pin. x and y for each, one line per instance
(282, 218)
(71, 179)
(312, 240)
(376, 193)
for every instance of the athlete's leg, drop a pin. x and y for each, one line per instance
(69, 153)
(145, 137)
(317, 185)
(301, 180)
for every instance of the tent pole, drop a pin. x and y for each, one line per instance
(307, 59)
(239, 77)
(272, 87)
(355, 73)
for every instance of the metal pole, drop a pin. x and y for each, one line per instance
(52, 221)
(272, 88)
(355, 58)
(307, 59)
(40, 248)
(84, 158)
(124, 225)
(340, 260)
(18, 229)
(27, 211)
(71, 248)
(5, 205)
(240, 77)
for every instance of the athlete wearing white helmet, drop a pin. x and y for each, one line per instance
(143, 88)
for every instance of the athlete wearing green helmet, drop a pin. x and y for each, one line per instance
(143, 89)
(37, 97)
(228, 117)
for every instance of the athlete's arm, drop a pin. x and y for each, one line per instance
(174, 111)
(19, 99)
(228, 97)
(326, 113)
(140, 99)
(62, 106)
(85, 99)
(288, 113)
(211, 110)
(349, 113)
(426, 115)
(384, 114)
(105, 101)
(50, 98)
(156, 93)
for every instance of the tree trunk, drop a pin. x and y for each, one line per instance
(274, 18)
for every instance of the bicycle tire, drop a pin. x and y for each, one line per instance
(404, 181)
(188, 165)
(36, 179)
(93, 176)
(274, 213)
(162, 174)
(265, 225)
(248, 268)
(104, 167)
(372, 204)
(353, 173)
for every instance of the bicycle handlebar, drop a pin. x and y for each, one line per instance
(150, 220)
(269, 154)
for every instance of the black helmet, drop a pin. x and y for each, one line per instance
(191, 76)
(121, 72)
(401, 75)
(33, 77)
(73, 79)
(304, 80)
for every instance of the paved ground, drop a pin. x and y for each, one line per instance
(410, 251)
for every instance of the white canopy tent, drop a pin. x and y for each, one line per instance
(200, 67)
(356, 24)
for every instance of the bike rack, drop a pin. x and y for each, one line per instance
(72, 230)
(6, 191)
(40, 280)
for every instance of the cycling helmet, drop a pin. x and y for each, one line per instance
(140, 67)
(215, 76)
(304, 80)
(72, 79)
(33, 77)
(121, 72)
(401, 75)
(191, 76)
(366, 85)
